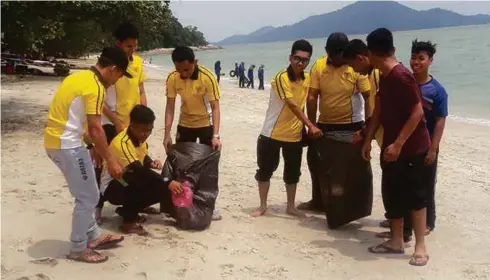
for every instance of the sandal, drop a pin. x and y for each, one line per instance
(414, 260)
(140, 219)
(134, 229)
(150, 211)
(87, 256)
(383, 248)
(107, 242)
(385, 224)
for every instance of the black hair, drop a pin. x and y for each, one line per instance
(182, 53)
(336, 43)
(423, 46)
(126, 31)
(302, 45)
(380, 42)
(142, 115)
(354, 48)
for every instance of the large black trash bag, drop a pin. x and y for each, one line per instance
(198, 164)
(346, 180)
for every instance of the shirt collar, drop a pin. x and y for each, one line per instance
(291, 75)
(97, 73)
(195, 74)
(135, 141)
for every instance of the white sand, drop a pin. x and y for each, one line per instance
(37, 207)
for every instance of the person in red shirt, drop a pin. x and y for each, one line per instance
(406, 141)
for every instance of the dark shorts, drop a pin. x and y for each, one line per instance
(404, 185)
(188, 134)
(110, 132)
(268, 159)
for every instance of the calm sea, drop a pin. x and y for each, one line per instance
(461, 64)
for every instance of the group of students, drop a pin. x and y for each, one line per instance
(96, 133)
(98, 118)
(248, 80)
(362, 92)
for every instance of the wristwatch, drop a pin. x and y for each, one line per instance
(216, 136)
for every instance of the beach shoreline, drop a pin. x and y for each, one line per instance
(37, 207)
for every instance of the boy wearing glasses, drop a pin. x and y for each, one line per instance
(283, 127)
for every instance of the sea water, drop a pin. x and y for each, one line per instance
(461, 64)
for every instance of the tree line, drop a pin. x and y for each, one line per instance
(77, 28)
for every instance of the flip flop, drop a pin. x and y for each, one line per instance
(414, 258)
(385, 249)
(85, 257)
(135, 229)
(140, 219)
(107, 243)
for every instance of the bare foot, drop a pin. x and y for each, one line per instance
(258, 212)
(295, 212)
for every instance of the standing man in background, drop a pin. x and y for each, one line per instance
(260, 74)
(124, 95)
(217, 70)
(251, 76)
(241, 75)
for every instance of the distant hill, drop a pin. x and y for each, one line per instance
(359, 18)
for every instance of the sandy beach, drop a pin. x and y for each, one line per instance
(37, 207)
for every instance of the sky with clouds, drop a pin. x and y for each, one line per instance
(220, 19)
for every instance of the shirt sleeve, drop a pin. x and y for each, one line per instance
(171, 91)
(142, 76)
(125, 153)
(315, 77)
(408, 91)
(440, 107)
(282, 86)
(93, 97)
(363, 84)
(212, 88)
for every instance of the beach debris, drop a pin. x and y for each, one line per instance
(45, 211)
(142, 275)
(32, 183)
(46, 261)
(39, 276)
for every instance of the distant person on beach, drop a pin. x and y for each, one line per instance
(79, 100)
(250, 75)
(260, 74)
(406, 143)
(123, 96)
(140, 186)
(338, 93)
(198, 120)
(435, 104)
(241, 75)
(236, 70)
(217, 70)
(283, 127)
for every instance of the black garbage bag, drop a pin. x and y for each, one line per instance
(198, 164)
(346, 181)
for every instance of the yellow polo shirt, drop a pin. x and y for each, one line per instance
(125, 152)
(340, 88)
(280, 122)
(125, 94)
(196, 93)
(374, 82)
(80, 94)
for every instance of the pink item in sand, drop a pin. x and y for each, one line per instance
(184, 199)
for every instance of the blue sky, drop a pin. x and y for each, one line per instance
(220, 19)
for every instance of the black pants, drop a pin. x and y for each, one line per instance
(431, 204)
(250, 83)
(110, 133)
(188, 134)
(261, 84)
(268, 159)
(218, 75)
(241, 81)
(138, 195)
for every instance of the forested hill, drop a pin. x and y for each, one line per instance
(75, 28)
(360, 18)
